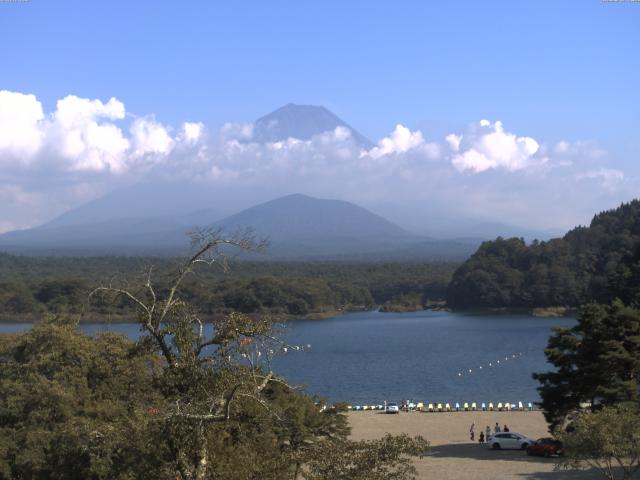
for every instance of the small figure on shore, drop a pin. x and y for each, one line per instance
(505, 428)
(472, 433)
(487, 432)
(496, 429)
(481, 438)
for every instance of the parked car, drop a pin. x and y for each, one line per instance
(509, 440)
(545, 447)
(392, 408)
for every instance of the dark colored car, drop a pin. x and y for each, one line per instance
(545, 447)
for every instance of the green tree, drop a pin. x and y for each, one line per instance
(76, 407)
(595, 263)
(607, 440)
(597, 362)
(386, 459)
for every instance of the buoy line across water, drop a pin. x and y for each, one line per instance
(469, 371)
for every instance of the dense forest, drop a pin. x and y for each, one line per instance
(595, 263)
(182, 402)
(33, 286)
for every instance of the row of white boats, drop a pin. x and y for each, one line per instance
(447, 407)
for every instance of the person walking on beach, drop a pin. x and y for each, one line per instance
(496, 429)
(472, 433)
(487, 432)
(481, 438)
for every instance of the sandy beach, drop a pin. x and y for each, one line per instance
(453, 456)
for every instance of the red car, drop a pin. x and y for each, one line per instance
(545, 447)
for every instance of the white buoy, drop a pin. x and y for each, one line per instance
(459, 374)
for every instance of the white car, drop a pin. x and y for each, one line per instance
(510, 440)
(392, 408)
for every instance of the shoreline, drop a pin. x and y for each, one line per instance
(539, 312)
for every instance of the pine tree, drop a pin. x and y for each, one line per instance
(597, 362)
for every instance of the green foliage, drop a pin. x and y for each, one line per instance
(32, 286)
(407, 302)
(194, 399)
(386, 459)
(74, 406)
(596, 362)
(607, 440)
(595, 263)
(70, 402)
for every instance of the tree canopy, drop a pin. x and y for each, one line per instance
(595, 263)
(34, 286)
(194, 399)
(607, 440)
(597, 362)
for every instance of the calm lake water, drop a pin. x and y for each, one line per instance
(369, 357)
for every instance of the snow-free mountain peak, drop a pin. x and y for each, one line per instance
(301, 122)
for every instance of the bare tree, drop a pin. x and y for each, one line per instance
(210, 363)
(217, 381)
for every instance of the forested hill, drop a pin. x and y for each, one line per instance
(594, 263)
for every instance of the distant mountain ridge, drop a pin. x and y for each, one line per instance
(152, 216)
(296, 215)
(298, 227)
(301, 226)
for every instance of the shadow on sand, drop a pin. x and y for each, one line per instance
(478, 452)
(482, 453)
(569, 475)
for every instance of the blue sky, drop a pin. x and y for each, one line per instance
(551, 70)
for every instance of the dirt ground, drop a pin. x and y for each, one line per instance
(453, 456)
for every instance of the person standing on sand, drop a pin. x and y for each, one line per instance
(496, 429)
(472, 432)
(488, 432)
(505, 428)
(481, 438)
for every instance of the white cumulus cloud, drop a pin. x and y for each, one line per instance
(20, 131)
(454, 141)
(192, 131)
(488, 146)
(150, 136)
(82, 135)
(98, 145)
(401, 140)
(73, 111)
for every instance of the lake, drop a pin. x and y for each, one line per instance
(369, 357)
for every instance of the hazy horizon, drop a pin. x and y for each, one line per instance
(466, 128)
